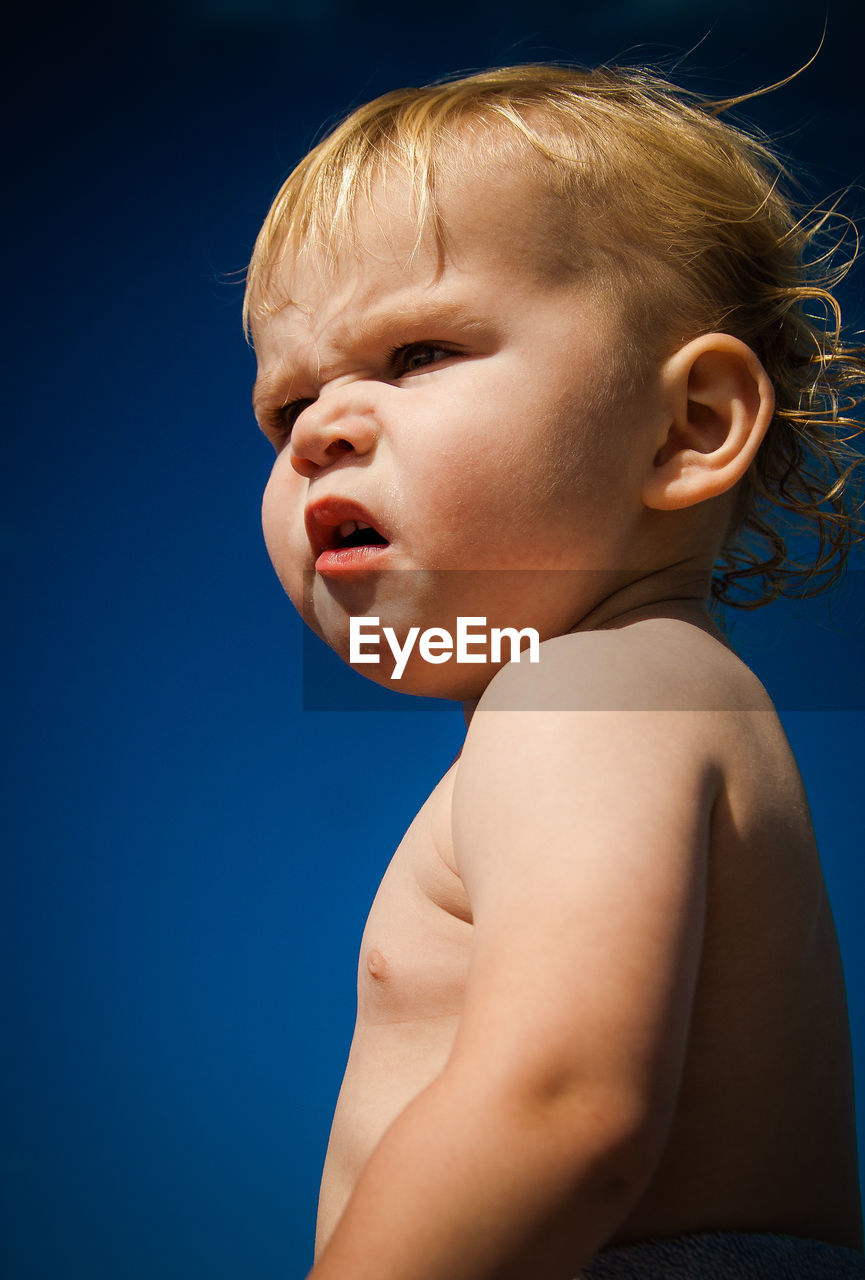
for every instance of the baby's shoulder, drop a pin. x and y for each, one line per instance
(655, 664)
(615, 712)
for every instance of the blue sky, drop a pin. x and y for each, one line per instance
(190, 858)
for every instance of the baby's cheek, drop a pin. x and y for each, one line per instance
(279, 518)
(269, 520)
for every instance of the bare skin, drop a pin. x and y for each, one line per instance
(757, 1130)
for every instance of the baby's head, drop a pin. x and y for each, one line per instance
(560, 318)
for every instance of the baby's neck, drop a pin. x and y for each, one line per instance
(676, 591)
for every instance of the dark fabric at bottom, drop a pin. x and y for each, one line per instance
(727, 1255)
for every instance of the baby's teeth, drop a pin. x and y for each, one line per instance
(348, 527)
(359, 524)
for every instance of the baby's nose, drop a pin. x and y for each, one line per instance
(339, 422)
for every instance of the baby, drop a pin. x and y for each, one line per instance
(537, 352)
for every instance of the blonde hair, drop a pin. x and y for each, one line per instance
(684, 219)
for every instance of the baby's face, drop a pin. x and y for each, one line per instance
(467, 408)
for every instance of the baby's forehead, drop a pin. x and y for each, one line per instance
(483, 215)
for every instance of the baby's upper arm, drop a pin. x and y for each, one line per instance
(582, 840)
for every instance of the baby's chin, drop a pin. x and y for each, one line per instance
(548, 600)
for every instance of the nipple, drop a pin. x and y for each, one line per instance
(377, 965)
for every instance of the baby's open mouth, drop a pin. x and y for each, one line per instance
(337, 524)
(353, 533)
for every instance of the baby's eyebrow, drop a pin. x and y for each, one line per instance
(414, 315)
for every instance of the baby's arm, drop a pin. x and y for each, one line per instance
(581, 838)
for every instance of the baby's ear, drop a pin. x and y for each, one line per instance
(719, 403)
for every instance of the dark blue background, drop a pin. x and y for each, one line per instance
(190, 855)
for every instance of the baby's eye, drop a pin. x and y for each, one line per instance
(417, 355)
(288, 416)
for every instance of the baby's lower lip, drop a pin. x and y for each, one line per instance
(344, 560)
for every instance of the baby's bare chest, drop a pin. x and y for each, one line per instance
(415, 947)
(412, 971)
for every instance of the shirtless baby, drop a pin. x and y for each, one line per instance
(534, 347)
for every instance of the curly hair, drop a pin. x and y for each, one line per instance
(686, 219)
